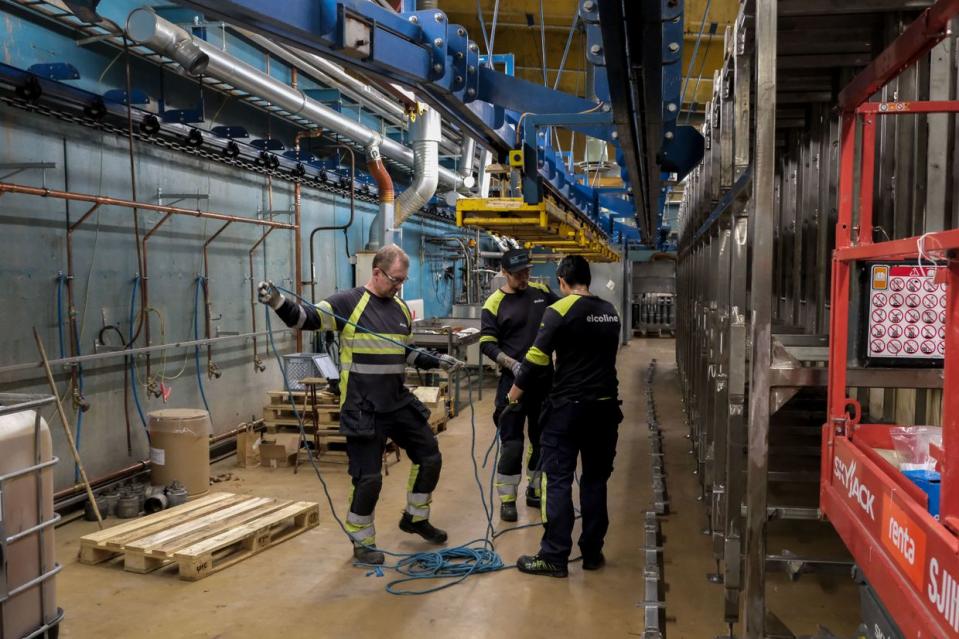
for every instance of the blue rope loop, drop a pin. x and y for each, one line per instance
(455, 563)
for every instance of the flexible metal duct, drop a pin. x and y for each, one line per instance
(384, 217)
(467, 153)
(427, 132)
(199, 57)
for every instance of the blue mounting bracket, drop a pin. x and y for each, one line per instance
(55, 71)
(230, 132)
(508, 60)
(535, 143)
(267, 144)
(119, 96)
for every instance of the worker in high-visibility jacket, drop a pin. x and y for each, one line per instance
(580, 418)
(509, 322)
(374, 402)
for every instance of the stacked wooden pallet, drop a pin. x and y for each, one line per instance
(322, 417)
(202, 536)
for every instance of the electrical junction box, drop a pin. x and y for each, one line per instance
(905, 312)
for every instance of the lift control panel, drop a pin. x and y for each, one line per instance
(906, 311)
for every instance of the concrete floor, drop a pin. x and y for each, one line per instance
(308, 587)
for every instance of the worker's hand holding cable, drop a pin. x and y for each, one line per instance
(268, 294)
(448, 362)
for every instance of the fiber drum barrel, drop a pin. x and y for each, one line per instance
(180, 448)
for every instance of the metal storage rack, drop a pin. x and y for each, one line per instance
(757, 226)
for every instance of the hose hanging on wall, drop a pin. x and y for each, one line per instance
(133, 359)
(196, 336)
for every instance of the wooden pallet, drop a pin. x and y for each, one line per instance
(203, 536)
(326, 413)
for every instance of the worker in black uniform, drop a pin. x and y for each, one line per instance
(510, 319)
(580, 416)
(374, 403)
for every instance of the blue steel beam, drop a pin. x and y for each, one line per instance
(437, 60)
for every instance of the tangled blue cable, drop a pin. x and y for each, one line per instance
(456, 563)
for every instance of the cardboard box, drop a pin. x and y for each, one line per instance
(248, 449)
(279, 449)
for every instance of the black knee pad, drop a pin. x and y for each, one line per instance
(511, 457)
(366, 491)
(429, 473)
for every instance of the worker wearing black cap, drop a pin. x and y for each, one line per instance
(511, 317)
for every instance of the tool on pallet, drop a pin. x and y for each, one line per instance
(66, 428)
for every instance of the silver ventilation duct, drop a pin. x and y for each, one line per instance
(199, 57)
(427, 132)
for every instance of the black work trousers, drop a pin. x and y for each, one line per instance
(572, 429)
(511, 430)
(409, 429)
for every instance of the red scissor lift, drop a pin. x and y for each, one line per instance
(910, 559)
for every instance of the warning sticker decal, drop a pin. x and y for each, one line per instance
(906, 312)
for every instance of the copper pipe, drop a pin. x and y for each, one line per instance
(384, 220)
(383, 180)
(297, 219)
(206, 293)
(6, 187)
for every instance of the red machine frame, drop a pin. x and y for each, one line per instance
(909, 558)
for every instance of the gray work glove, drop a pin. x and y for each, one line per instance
(508, 363)
(448, 362)
(269, 294)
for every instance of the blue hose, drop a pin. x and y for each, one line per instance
(133, 367)
(455, 563)
(196, 336)
(61, 278)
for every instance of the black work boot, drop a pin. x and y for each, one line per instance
(507, 511)
(423, 528)
(367, 555)
(594, 562)
(536, 565)
(532, 499)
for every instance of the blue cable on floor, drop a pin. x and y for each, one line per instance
(455, 563)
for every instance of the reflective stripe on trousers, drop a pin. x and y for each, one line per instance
(360, 528)
(417, 504)
(542, 499)
(535, 481)
(506, 487)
